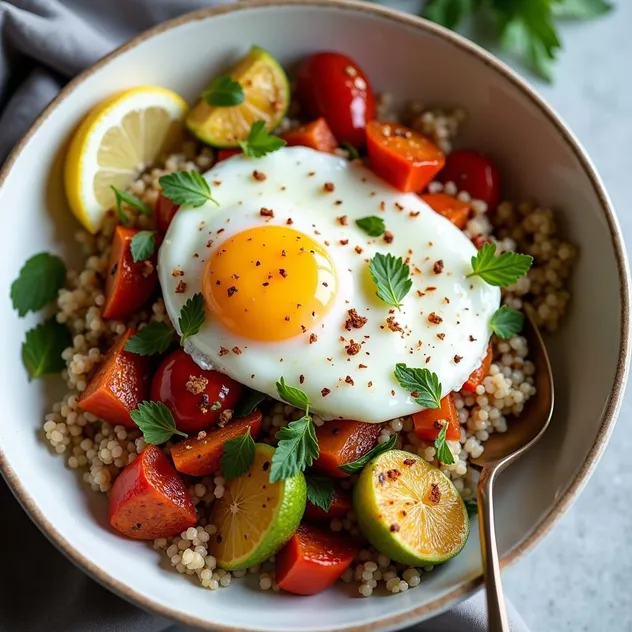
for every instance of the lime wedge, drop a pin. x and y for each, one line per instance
(266, 98)
(255, 518)
(410, 510)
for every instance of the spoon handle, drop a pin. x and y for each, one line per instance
(496, 612)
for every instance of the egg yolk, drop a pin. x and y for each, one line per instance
(269, 283)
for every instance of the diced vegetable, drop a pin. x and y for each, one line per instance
(450, 207)
(313, 560)
(478, 375)
(119, 385)
(340, 507)
(428, 422)
(129, 284)
(316, 135)
(201, 455)
(149, 500)
(341, 442)
(165, 210)
(224, 154)
(333, 86)
(474, 173)
(401, 156)
(196, 397)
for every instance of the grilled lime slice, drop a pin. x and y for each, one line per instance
(410, 510)
(255, 518)
(266, 98)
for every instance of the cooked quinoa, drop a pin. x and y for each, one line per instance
(101, 450)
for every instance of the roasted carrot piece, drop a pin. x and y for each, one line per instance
(129, 284)
(450, 207)
(149, 500)
(316, 135)
(340, 507)
(342, 442)
(201, 455)
(313, 560)
(401, 156)
(223, 154)
(428, 422)
(165, 210)
(119, 385)
(478, 375)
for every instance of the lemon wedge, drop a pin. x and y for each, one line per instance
(120, 138)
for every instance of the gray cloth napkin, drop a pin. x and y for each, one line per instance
(43, 43)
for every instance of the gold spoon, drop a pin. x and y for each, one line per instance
(502, 449)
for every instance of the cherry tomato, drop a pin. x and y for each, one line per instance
(165, 210)
(333, 86)
(474, 173)
(224, 154)
(195, 397)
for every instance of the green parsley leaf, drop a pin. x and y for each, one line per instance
(506, 322)
(248, 402)
(150, 340)
(143, 245)
(356, 466)
(132, 200)
(292, 395)
(192, 317)
(40, 278)
(372, 225)
(260, 142)
(187, 188)
(156, 422)
(423, 385)
(43, 346)
(443, 451)
(320, 491)
(238, 456)
(471, 506)
(448, 13)
(354, 154)
(224, 91)
(391, 277)
(581, 9)
(296, 451)
(500, 270)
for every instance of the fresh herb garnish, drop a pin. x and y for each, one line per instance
(192, 317)
(372, 225)
(356, 466)
(260, 142)
(296, 451)
(500, 270)
(292, 395)
(238, 456)
(156, 422)
(443, 451)
(224, 91)
(248, 402)
(150, 340)
(143, 245)
(43, 346)
(353, 152)
(423, 385)
(187, 188)
(132, 200)
(506, 322)
(471, 506)
(320, 491)
(40, 278)
(391, 277)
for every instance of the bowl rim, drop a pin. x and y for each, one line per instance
(611, 409)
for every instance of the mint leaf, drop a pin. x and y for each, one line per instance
(500, 270)
(192, 317)
(506, 322)
(292, 395)
(423, 385)
(296, 451)
(248, 402)
(132, 200)
(372, 225)
(353, 152)
(143, 245)
(156, 422)
(448, 13)
(238, 456)
(391, 277)
(150, 340)
(224, 92)
(186, 188)
(357, 465)
(43, 346)
(580, 9)
(320, 491)
(443, 451)
(38, 283)
(260, 142)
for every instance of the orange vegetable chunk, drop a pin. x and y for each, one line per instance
(478, 375)
(427, 422)
(316, 135)
(340, 507)
(450, 207)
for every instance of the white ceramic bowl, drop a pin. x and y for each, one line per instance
(404, 55)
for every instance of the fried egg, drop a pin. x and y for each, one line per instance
(284, 272)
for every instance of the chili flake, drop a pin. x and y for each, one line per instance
(266, 212)
(231, 290)
(223, 351)
(325, 392)
(328, 187)
(355, 321)
(176, 273)
(259, 176)
(196, 384)
(349, 380)
(388, 237)
(438, 266)
(457, 359)
(236, 350)
(358, 250)
(353, 348)
(312, 338)
(343, 220)
(392, 324)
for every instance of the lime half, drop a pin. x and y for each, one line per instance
(266, 98)
(255, 518)
(410, 510)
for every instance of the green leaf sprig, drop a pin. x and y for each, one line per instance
(353, 152)
(224, 91)
(249, 400)
(500, 270)
(506, 322)
(143, 245)
(151, 340)
(131, 200)
(422, 384)
(187, 188)
(320, 491)
(441, 445)
(260, 142)
(38, 283)
(391, 277)
(192, 317)
(372, 225)
(156, 422)
(238, 456)
(43, 346)
(357, 465)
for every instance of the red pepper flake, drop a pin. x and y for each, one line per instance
(472, 339)
(181, 288)
(325, 392)
(282, 272)
(392, 324)
(236, 350)
(344, 242)
(409, 462)
(434, 495)
(441, 336)
(176, 273)
(148, 269)
(362, 366)
(220, 231)
(312, 338)
(431, 288)
(420, 293)
(311, 173)
(289, 221)
(209, 243)
(388, 237)
(349, 380)
(328, 187)
(355, 321)
(231, 290)
(266, 212)
(457, 359)
(427, 359)
(301, 379)
(369, 384)
(265, 284)
(398, 206)
(259, 176)
(394, 528)
(438, 266)
(358, 250)
(196, 384)
(382, 206)
(393, 393)
(343, 220)
(223, 351)
(435, 319)
(446, 300)
(287, 319)
(414, 213)
(353, 348)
